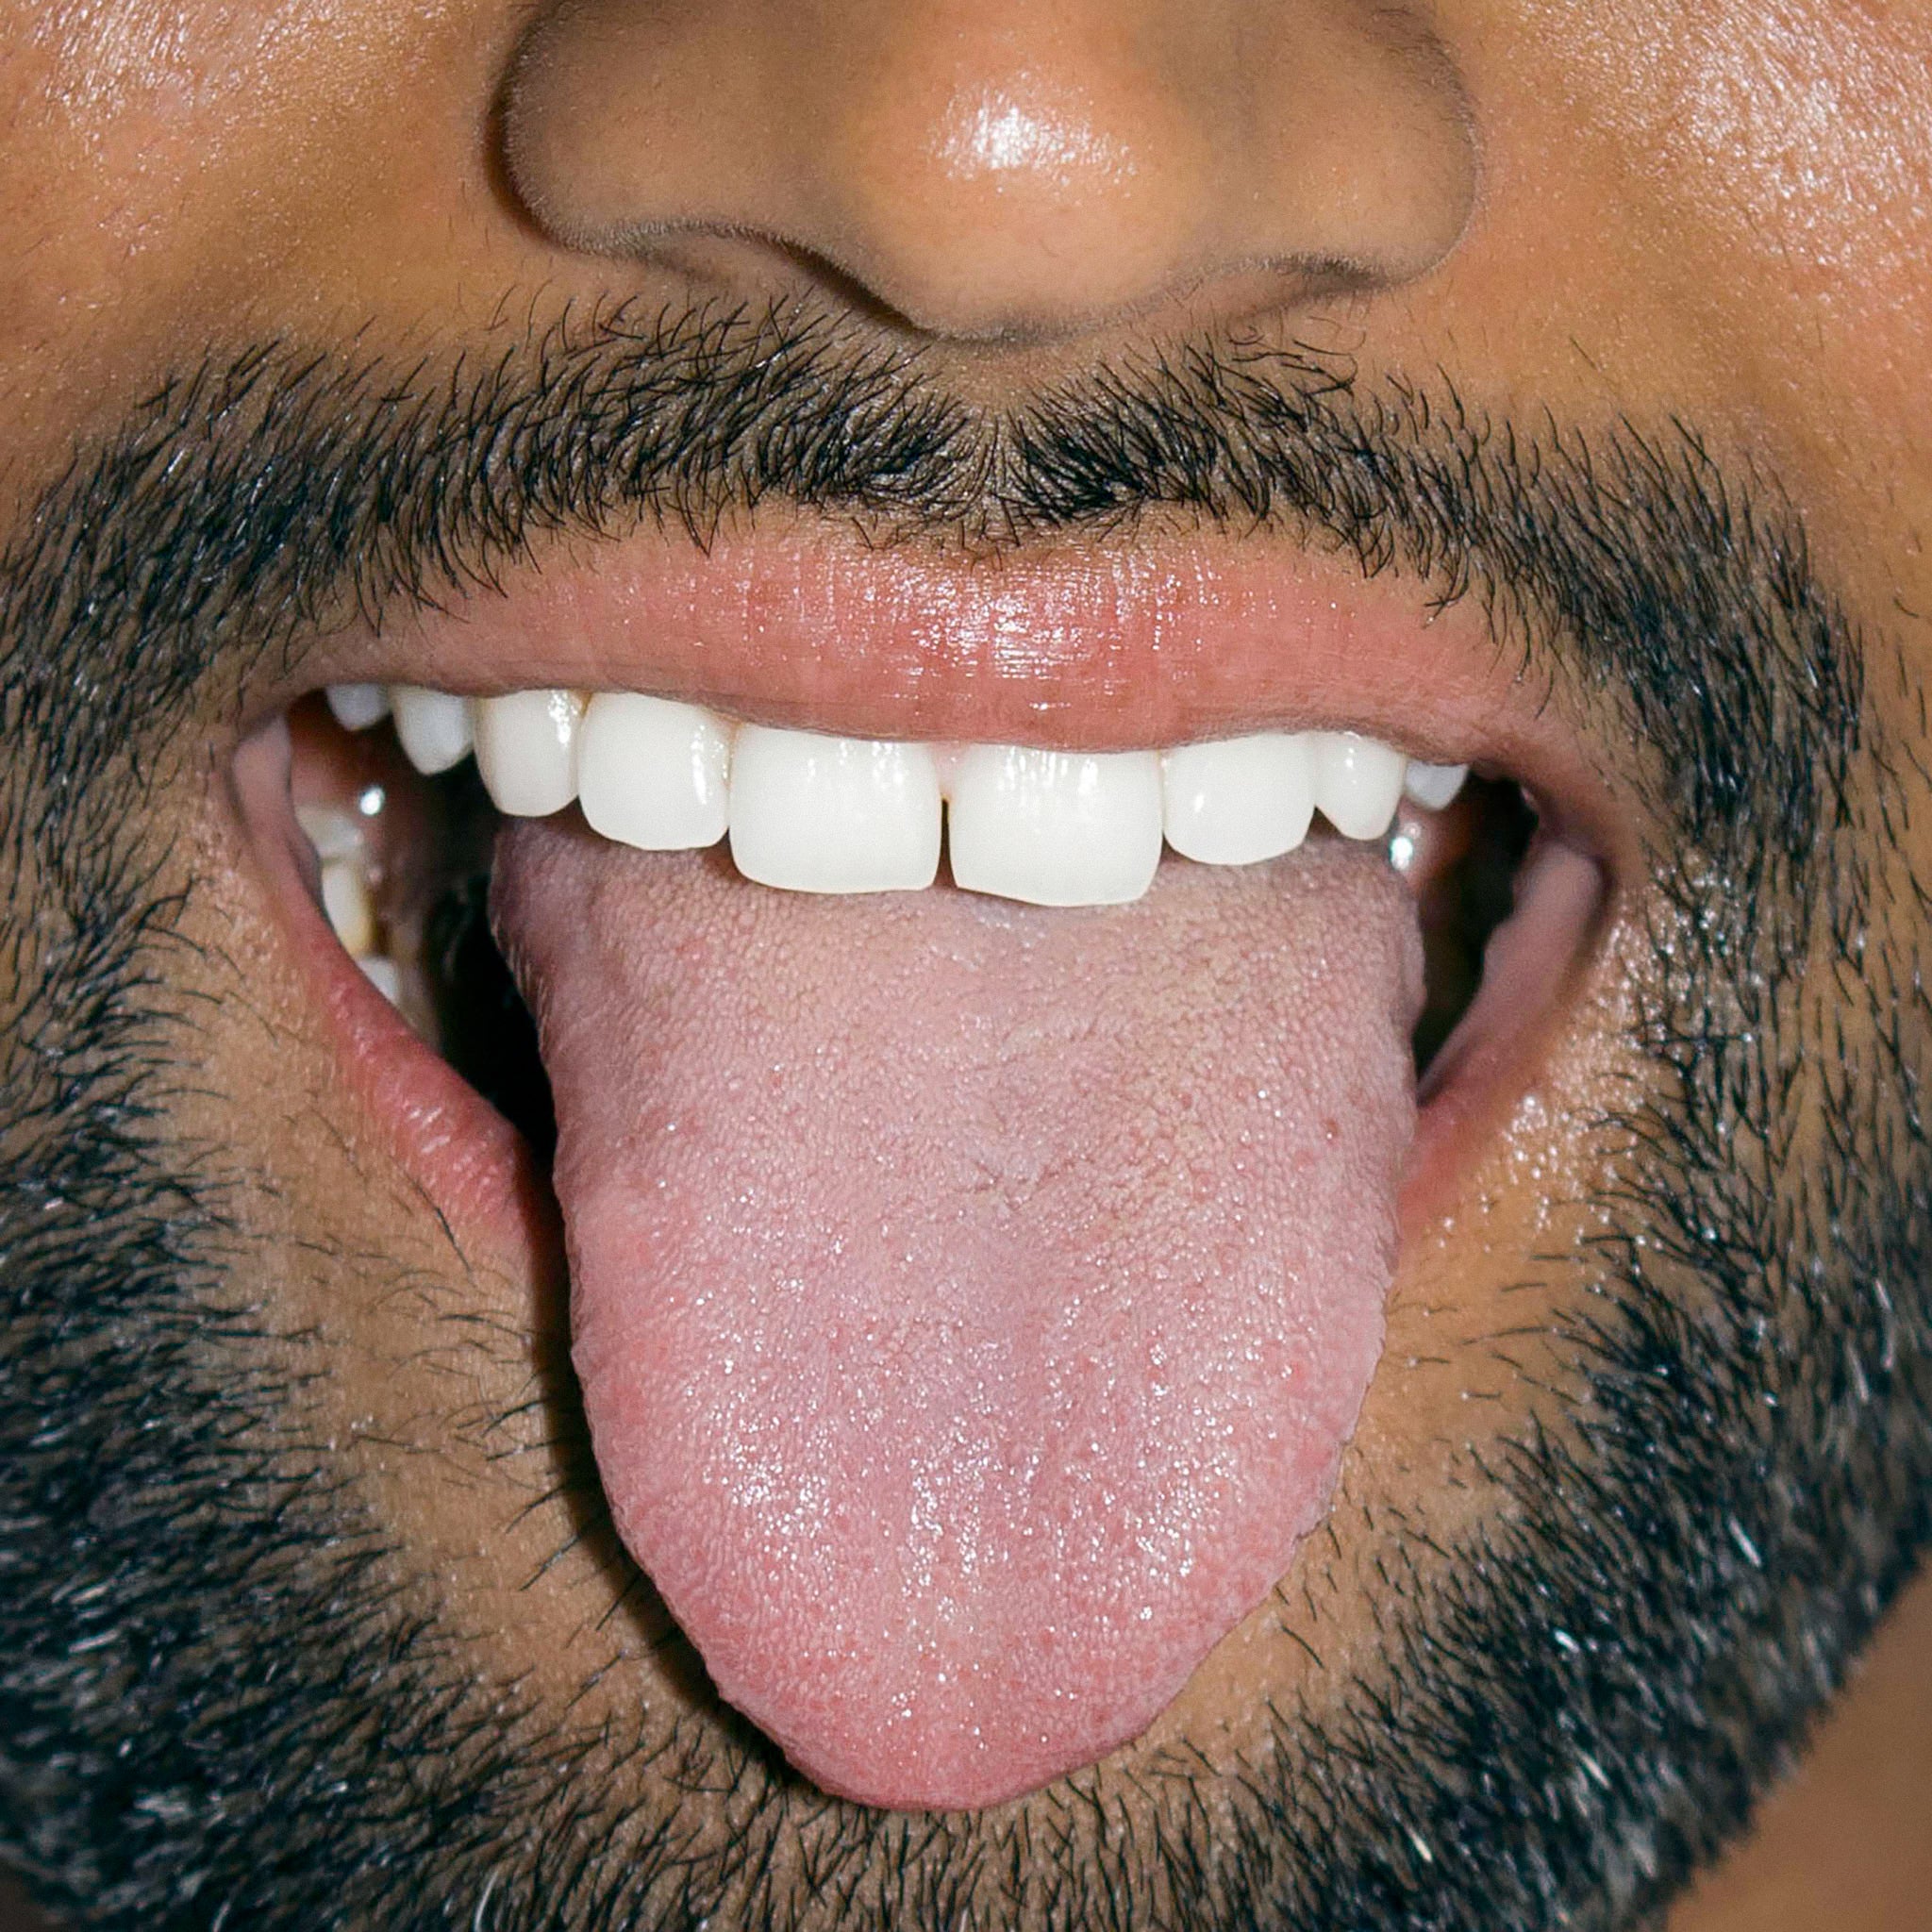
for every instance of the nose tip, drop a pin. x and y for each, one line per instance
(1003, 168)
(1017, 206)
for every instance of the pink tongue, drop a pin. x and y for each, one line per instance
(970, 1302)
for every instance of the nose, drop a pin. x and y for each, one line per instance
(1002, 169)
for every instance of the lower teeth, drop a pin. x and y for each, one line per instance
(340, 840)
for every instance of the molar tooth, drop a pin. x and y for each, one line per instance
(432, 725)
(1057, 828)
(1357, 782)
(1433, 787)
(351, 912)
(1239, 800)
(333, 832)
(653, 774)
(526, 750)
(356, 707)
(818, 814)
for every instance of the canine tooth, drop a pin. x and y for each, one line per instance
(819, 814)
(345, 899)
(432, 726)
(1239, 800)
(1357, 782)
(356, 707)
(653, 774)
(1432, 786)
(384, 975)
(1054, 828)
(526, 750)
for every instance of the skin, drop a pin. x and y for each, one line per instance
(1607, 212)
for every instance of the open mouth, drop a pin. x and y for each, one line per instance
(985, 1074)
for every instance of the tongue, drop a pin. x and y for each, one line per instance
(970, 1302)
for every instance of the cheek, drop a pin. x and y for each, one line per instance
(167, 170)
(1817, 133)
(1758, 175)
(1796, 129)
(167, 62)
(1806, 133)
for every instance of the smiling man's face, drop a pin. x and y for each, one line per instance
(1097, 1298)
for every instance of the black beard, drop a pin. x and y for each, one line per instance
(214, 1713)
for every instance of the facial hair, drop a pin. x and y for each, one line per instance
(213, 1708)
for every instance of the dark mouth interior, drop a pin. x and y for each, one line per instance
(486, 1031)
(1488, 831)
(436, 891)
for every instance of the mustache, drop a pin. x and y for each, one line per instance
(250, 502)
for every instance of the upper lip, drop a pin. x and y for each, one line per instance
(1103, 648)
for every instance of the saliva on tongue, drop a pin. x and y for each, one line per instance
(970, 1302)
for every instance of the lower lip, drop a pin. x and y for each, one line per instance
(1531, 966)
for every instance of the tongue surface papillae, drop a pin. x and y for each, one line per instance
(970, 1302)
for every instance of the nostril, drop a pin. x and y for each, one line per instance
(989, 168)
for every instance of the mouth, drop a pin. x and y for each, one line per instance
(989, 1035)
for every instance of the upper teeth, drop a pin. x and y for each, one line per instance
(819, 814)
(834, 814)
(1057, 827)
(434, 727)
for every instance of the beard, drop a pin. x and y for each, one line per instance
(216, 1705)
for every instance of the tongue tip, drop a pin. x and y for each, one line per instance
(1015, 1707)
(952, 1764)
